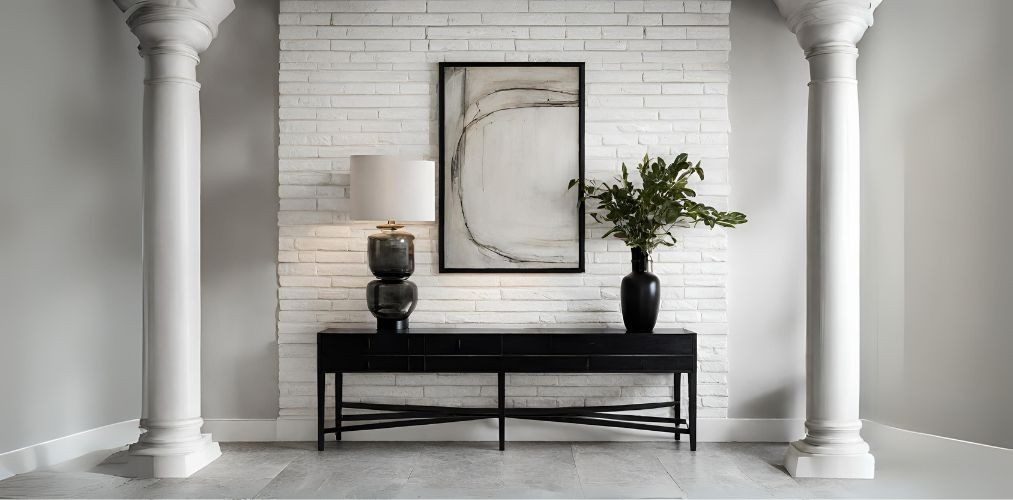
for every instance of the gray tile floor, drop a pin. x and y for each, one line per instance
(524, 470)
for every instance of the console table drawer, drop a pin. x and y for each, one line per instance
(640, 364)
(465, 343)
(545, 364)
(374, 363)
(467, 364)
(593, 344)
(351, 344)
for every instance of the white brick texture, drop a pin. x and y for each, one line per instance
(360, 77)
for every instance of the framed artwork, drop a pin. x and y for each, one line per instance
(511, 137)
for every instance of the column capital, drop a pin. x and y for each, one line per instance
(820, 25)
(192, 23)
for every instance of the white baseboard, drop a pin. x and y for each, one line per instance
(304, 429)
(234, 430)
(55, 451)
(712, 430)
(886, 437)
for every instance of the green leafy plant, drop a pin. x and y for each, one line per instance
(643, 215)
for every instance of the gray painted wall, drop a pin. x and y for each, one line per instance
(70, 215)
(239, 198)
(935, 283)
(937, 119)
(238, 111)
(766, 291)
(70, 205)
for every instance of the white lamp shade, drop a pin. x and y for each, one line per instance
(387, 187)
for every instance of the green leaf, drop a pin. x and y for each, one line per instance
(642, 213)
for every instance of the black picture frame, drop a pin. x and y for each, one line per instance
(443, 268)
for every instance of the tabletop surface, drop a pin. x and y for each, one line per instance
(370, 329)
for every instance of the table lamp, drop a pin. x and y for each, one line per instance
(395, 190)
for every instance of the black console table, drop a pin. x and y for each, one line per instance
(502, 351)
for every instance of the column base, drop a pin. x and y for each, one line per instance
(853, 466)
(163, 462)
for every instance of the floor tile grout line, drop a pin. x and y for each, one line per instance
(670, 476)
(271, 479)
(576, 470)
(772, 493)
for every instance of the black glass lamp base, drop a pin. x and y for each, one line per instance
(391, 325)
(391, 298)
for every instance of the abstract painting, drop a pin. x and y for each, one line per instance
(511, 137)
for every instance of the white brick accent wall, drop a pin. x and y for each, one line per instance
(360, 77)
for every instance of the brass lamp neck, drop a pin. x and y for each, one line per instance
(390, 226)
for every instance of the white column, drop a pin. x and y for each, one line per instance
(171, 37)
(828, 31)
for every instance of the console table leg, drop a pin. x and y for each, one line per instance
(692, 410)
(321, 386)
(339, 383)
(501, 380)
(677, 396)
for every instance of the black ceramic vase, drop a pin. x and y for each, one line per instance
(640, 295)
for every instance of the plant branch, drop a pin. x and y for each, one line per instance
(643, 215)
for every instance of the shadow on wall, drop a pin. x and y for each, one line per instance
(70, 193)
(239, 203)
(957, 295)
(767, 105)
(936, 118)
